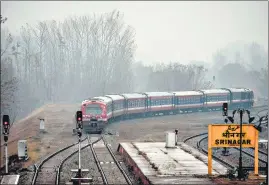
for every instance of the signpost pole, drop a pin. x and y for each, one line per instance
(256, 155)
(209, 156)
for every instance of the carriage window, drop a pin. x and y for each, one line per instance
(130, 104)
(139, 103)
(169, 101)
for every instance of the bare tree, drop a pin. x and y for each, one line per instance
(8, 79)
(71, 60)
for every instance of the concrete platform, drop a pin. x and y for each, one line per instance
(152, 163)
(10, 179)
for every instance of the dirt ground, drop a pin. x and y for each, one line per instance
(58, 131)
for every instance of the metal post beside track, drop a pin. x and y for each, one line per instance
(6, 153)
(79, 175)
(78, 179)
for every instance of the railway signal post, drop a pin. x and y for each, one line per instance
(241, 113)
(78, 179)
(225, 152)
(6, 127)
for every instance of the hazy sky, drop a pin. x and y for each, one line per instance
(165, 31)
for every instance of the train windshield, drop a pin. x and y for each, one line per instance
(93, 109)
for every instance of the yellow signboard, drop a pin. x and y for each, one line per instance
(224, 135)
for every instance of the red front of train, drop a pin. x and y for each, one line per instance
(94, 116)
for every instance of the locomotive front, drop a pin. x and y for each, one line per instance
(94, 116)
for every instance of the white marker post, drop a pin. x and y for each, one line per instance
(42, 124)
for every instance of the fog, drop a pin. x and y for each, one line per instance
(55, 52)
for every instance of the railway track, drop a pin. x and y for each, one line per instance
(224, 162)
(59, 170)
(198, 139)
(231, 160)
(107, 163)
(47, 172)
(250, 152)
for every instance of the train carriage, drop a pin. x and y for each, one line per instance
(160, 102)
(189, 100)
(118, 107)
(214, 98)
(241, 97)
(135, 104)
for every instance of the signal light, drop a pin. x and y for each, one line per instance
(6, 124)
(79, 115)
(79, 119)
(225, 109)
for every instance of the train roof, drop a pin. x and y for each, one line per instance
(187, 93)
(215, 91)
(101, 98)
(84, 101)
(150, 94)
(239, 89)
(134, 95)
(115, 97)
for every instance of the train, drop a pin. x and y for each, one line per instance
(108, 108)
